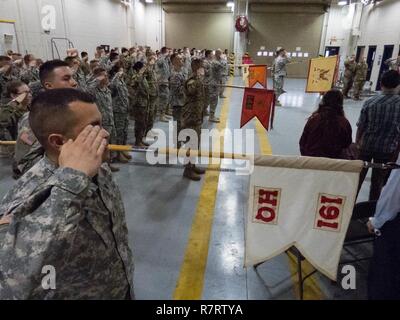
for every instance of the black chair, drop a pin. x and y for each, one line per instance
(357, 233)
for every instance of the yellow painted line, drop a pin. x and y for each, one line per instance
(312, 291)
(191, 278)
(7, 21)
(265, 146)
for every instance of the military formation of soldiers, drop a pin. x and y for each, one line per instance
(355, 76)
(137, 82)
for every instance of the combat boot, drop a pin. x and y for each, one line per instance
(190, 174)
(112, 168)
(198, 170)
(126, 155)
(121, 158)
(213, 118)
(163, 118)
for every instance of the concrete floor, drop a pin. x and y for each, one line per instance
(160, 208)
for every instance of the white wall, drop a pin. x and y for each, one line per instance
(87, 23)
(379, 25)
(147, 24)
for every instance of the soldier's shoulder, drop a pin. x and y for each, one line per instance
(37, 176)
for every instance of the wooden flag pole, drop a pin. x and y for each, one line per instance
(208, 154)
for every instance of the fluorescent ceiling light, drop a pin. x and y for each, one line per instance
(230, 4)
(149, 1)
(343, 3)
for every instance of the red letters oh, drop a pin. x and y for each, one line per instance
(267, 205)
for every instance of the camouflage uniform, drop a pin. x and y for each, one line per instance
(62, 218)
(140, 87)
(28, 150)
(163, 74)
(193, 110)
(187, 66)
(394, 64)
(177, 91)
(30, 75)
(214, 71)
(152, 91)
(105, 63)
(4, 80)
(36, 88)
(280, 73)
(225, 76)
(80, 79)
(349, 73)
(9, 117)
(359, 79)
(120, 101)
(104, 103)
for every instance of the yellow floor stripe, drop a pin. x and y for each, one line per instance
(191, 278)
(312, 290)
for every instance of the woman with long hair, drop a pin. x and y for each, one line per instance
(327, 133)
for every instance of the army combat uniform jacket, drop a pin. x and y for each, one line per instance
(64, 220)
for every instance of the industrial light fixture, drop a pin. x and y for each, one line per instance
(231, 4)
(149, 1)
(343, 3)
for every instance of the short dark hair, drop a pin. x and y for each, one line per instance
(164, 50)
(97, 71)
(12, 87)
(50, 113)
(123, 50)
(390, 79)
(70, 61)
(47, 68)
(138, 66)
(84, 54)
(208, 52)
(27, 58)
(174, 56)
(4, 58)
(196, 64)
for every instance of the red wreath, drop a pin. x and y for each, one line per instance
(242, 24)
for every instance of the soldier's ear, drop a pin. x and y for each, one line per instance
(56, 141)
(47, 85)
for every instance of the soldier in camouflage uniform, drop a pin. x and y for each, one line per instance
(193, 112)
(54, 74)
(30, 73)
(66, 213)
(394, 64)
(214, 71)
(152, 91)
(222, 59)
(140, 86)
(99, 89)
(20, 98)
(360, 78)
(120, 102)
(187, 61)
(177, 92)
(163, 73)
(279, 73)
(75, 65)
(349, 73)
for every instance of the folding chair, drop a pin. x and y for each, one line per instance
(357, 234)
